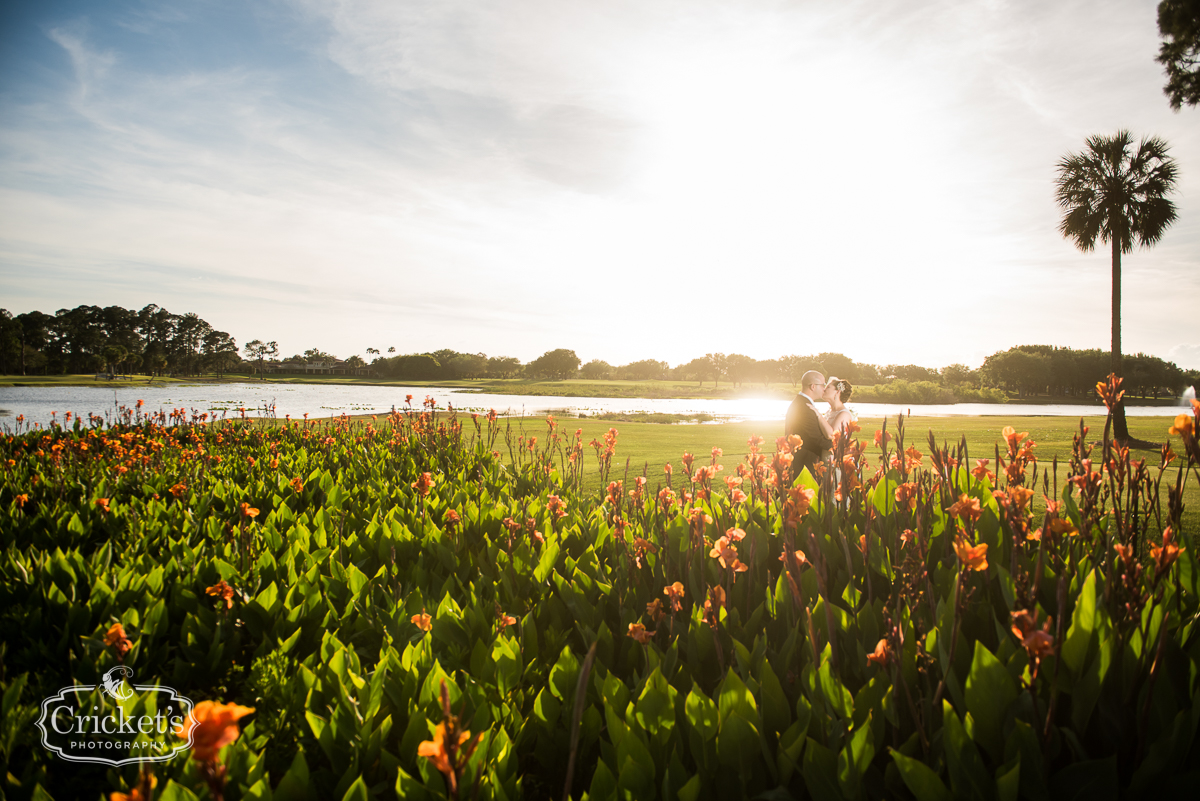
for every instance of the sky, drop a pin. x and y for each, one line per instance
(629, 179)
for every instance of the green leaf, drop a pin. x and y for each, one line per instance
(1008, 782)
(835, 693)
(564, 675)
(357, 791)
(546, 561)
(173, 792)
(776, 712)
(655, 710)
(702, 713)
(820, 772)
(968, 779)
(1079, 637)
(990, 692)
(738, 743)
(920, 779)
(735, 698)
(854, 758)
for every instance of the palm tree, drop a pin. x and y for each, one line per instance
(1116, 193)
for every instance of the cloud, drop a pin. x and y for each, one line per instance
(1186, 355)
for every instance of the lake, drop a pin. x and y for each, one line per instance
(325, 400)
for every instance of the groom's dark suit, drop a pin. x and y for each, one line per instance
(802, 419)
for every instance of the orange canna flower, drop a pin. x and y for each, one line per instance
(1010, 434)
(423, 484)
(655, 610)
(966, 508)
(211, 727)
(882, 654)
(906, 495)
(115, 638)
(638, 632)
(1165, 555)
(435, 750)
(249, 511)
(980, 471)
(973, 557)
(423, 621)
(102, 503)
(221, 590)
(297, 484)
(1184, 424)
(674, 593)
(1125, 552)
(179, 490)
(21, 500)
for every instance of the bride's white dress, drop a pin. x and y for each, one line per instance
(829, 417)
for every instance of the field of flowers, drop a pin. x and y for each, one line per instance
(427, 605)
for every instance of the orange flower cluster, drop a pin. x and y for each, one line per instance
(966, 508)
(1165, 555)
(222, 591)
(725, 552)
(451, 747)
(1038, 643)
(1110, 391)
(674, 593)
(423, 484)
(423, 621)
(211, 727)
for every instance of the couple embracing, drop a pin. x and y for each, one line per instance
(816, 429)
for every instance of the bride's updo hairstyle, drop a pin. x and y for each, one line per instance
(845, 389)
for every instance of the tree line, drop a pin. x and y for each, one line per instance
(155, 341)
(113, 339)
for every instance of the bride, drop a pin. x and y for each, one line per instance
(838, 418)
(837, 392)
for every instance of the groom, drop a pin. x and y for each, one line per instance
(802, 419)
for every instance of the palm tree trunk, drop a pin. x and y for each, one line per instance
(1120, 426)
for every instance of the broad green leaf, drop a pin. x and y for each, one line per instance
(968, 779)
(1079, 636)
(990, 692)
(854, 758)
(735, 698)
(920, 779)
(820, 772)
(702, 713)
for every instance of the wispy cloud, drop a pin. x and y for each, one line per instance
(521, 176)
